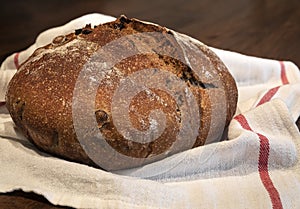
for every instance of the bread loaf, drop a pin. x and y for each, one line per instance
(121, 94)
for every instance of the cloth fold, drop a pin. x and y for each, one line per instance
(258, 167)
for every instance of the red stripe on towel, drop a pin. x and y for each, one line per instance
(243, 122)
(269, 95)
(264, 148)
(2, 104)
(284, 79)
(16, 59)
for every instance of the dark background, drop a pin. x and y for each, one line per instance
(264, 28)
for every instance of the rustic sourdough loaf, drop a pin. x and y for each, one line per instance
(40, 97)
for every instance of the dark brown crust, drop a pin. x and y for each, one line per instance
(39, 97)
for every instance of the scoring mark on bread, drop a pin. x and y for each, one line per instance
(123, 20)
(84, 31)
(186, 74)
(20, 106)
(55, 138)
(102, 118)
(78, 31)
(119, 26)
(189, 77)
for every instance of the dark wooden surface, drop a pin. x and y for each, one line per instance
(264, 28)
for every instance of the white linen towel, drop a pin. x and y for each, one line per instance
(258, 167)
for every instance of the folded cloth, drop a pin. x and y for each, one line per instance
(258, 167)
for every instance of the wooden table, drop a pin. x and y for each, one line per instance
(264, 28)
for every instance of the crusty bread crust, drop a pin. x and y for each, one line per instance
(39, 97)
